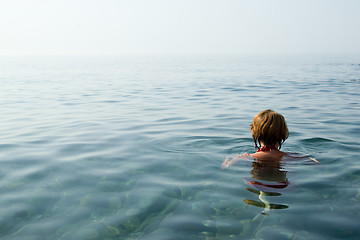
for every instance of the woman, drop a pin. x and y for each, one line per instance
(269, 131)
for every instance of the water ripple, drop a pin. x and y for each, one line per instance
(131, 147)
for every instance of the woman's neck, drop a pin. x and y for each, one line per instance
(267, 148)
(268, 152)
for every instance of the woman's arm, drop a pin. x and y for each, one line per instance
(231, 160)
(298, 156)
(314, 160)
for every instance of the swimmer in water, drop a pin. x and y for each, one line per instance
(268, 177)
(269, 131)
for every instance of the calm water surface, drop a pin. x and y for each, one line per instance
(130, 147)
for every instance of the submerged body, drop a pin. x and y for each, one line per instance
(272, 158)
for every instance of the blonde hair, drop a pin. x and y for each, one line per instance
(269, 127)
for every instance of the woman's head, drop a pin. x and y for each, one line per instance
(269, 128)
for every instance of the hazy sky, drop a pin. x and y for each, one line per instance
(179, 26)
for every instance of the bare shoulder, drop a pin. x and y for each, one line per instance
(270, 155)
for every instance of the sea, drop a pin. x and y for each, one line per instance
(131, 147)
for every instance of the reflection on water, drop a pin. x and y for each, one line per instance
(268, 179)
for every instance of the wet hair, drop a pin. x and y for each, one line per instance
(270, 128)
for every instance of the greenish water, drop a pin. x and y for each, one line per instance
(130, 147)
